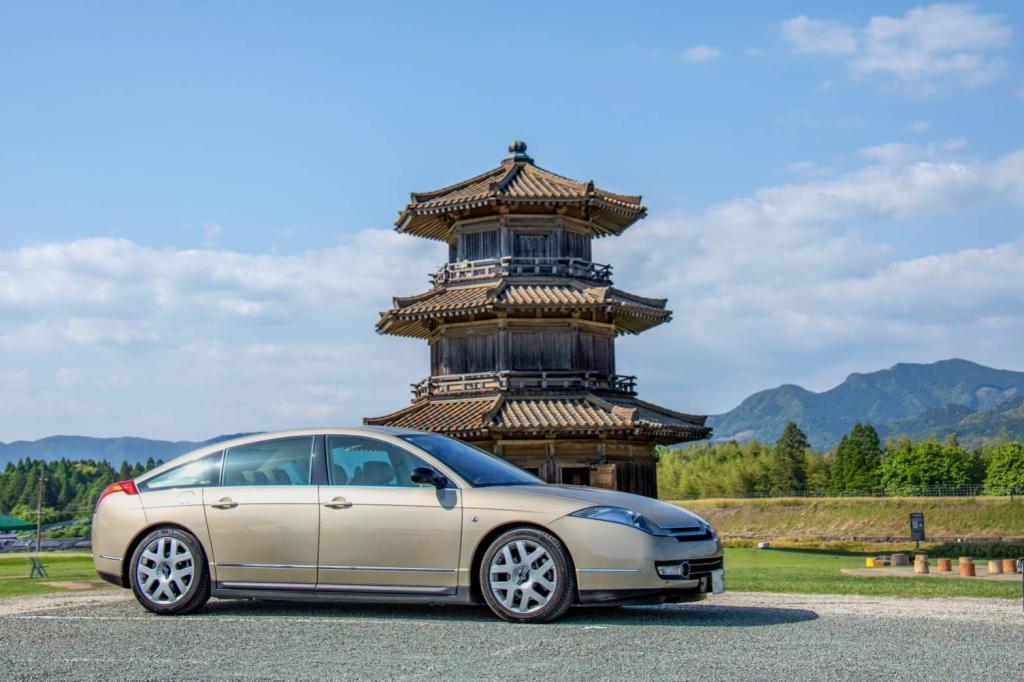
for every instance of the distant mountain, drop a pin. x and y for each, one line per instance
(114, 450)
(951, 390)
(1005, 420)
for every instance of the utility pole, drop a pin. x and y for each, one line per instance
(37, 568)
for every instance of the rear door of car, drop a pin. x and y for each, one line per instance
(264, 516)
(379, 531)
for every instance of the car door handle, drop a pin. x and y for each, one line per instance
(224, 503)
(338, 503)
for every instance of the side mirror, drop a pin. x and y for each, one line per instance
(428, 476)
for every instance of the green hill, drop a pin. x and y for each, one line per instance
(1004, 422)
(113, 450)
(954, 388)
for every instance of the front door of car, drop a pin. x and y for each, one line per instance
(379, 531)
(264, 516)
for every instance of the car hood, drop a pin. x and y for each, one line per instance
(577, 497)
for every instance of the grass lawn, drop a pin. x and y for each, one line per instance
(747, 570)
(817, 572)
(14, 570)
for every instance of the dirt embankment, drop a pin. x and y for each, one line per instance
(864, 519)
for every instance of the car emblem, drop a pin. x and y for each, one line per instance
(684, 569)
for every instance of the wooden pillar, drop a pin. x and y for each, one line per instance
(504, 238)
(551, 463)
(504, 346)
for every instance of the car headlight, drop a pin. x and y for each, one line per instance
(627, 517)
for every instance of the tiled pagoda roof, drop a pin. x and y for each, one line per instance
(409, 316)
(503, 415)
(517, 184)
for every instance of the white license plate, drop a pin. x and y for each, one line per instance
(718, 581)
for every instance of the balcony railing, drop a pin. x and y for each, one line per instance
(463, 271)
(480, 382)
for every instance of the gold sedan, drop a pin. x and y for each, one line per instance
(381, 514)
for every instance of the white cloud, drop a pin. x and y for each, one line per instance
(924, 49)
(784, 282)
(700, 53)
(918, 127)
(113, 337)
(92, 279)
(817, 36)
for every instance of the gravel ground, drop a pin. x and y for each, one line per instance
(107, 635)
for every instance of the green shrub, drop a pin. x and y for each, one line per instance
(979, 550)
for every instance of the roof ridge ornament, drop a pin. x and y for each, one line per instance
(517, 153)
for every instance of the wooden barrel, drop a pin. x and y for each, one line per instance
(967, 569)
(944, 566)
(900, 560)
(995, 567)
(1009, 565)
(966, 560)
(920, 567)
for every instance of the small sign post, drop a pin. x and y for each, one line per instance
(917, 527)
(1020, 569)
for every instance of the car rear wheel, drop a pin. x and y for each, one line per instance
(526, 576)
(168, 572)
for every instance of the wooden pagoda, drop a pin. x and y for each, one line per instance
(522, 325)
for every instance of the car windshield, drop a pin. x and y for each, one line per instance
(479, 467)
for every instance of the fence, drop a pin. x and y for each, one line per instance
(974, 490)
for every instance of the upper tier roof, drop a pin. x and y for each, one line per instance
(410, 315)
(519, 186)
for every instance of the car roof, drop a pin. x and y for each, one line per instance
(270, 435)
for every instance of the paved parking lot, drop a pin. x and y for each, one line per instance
(107, 635)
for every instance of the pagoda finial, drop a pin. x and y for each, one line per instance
(517, 152)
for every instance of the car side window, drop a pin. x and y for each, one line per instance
(199, 473)
(282, 461)
(356, 460)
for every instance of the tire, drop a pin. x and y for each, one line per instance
(527, 576)
(160, 576)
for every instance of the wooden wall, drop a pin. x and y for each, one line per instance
(524, 237)
(622, 465)
(551, 345)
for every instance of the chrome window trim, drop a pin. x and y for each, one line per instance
(112, 558)
(609, 570)
(312, 456)
(414, 451)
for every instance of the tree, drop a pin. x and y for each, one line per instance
(785, 468)
(858, 460)
(1006, 467)
(927, 463)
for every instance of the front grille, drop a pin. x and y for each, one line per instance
(693, 537)
(699, 567)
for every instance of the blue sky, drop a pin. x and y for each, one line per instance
(197, 198)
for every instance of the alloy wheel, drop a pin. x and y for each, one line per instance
(165, 570)
(523, 576)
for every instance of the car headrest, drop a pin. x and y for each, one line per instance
(339, 475)
(378, 473)
(281, 477)
(260, 478)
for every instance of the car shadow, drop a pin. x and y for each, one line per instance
(677, 615)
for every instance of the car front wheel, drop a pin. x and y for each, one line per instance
(168, 572)
(527, 576)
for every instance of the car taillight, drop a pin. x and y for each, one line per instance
(126, 487)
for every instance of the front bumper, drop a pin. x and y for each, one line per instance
(617, 561)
